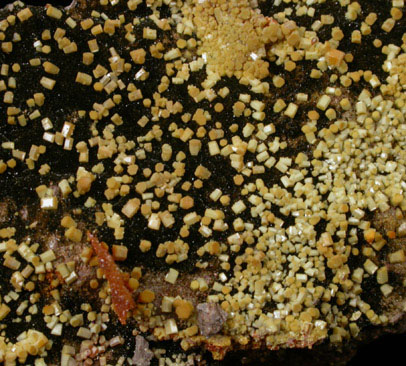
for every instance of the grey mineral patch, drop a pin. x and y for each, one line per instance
(72, 5)
(210, 318)
(142, 354)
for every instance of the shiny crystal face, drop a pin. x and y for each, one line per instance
(223, 175)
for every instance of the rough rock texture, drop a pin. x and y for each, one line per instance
(142, 354)
(210, 318)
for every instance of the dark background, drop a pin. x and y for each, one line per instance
(41, 2)
(387, 349)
